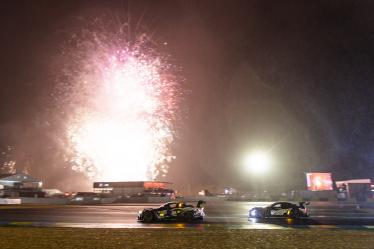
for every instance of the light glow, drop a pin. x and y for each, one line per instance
(124, 101)
(258, 162)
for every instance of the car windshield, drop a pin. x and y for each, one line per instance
(169, 205)
(276, 205)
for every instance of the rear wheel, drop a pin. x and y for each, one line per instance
(148, 217)
(295, 214)
(188, 217)
(180, 217)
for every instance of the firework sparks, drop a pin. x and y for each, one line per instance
(124, 101)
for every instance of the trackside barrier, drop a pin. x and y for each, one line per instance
(52, 201)
(145, 199)
(205, 198)
(6, 201)
(107, 200)
(158, 199)
(328, 195)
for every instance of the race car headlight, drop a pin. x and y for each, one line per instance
(253, 212)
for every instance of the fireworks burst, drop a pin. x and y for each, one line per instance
(123, 97)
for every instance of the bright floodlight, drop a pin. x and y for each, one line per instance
(258, 162)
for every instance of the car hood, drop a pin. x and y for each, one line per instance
(257, 208)
(148, 209)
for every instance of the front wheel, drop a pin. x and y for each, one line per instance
(148, 217)
(265, 214)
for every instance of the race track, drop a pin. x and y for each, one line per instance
(224, 214)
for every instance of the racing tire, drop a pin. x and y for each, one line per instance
(200, 220)
(295, 214)
(188, 217)
(180, 218)
(148, 217)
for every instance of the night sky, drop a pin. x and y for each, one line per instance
(291, 76)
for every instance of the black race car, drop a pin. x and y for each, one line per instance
(173, 211)
(280, 209)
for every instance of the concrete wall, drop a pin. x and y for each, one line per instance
(143, 199)
(328, 195)
(107, 200)
(167, 199)
(158, 199)
(47, 201)
(9, 201)
(205, 198)
(139, 199)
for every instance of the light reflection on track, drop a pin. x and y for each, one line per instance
(221, 215)
(261, 226)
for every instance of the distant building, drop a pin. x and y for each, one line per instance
(20, 185)
(138, 188)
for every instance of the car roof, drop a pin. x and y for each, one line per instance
(282, 202)
(169, 203)
(177, 203)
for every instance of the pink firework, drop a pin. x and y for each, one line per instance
(124, 103)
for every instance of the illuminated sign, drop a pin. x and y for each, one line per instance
(319, 181)
(146, 185)
(155, 185)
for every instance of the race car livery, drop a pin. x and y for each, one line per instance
(178, 211)
(280, 209)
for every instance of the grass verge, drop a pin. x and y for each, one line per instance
(31, 237)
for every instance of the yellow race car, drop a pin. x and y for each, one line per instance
(173, 211)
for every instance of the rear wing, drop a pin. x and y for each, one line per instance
(303, 204)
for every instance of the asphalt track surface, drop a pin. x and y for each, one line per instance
(224, 214)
